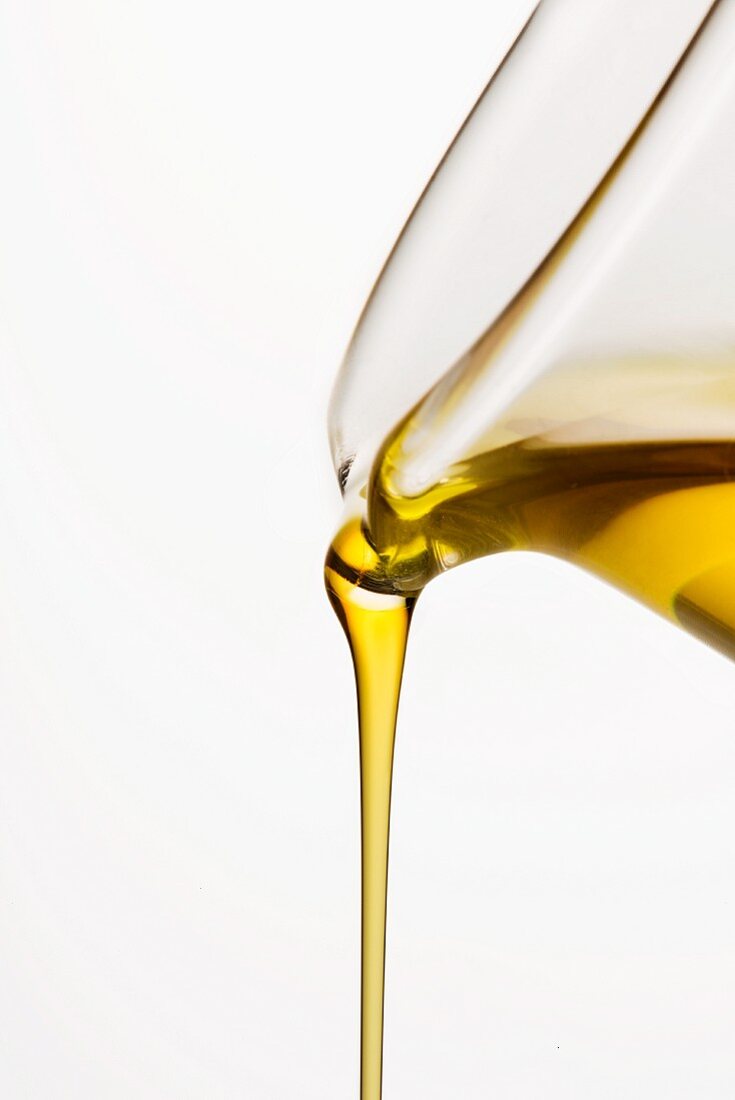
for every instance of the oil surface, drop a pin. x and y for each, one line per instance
(626, 469)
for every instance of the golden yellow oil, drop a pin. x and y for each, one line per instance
(376, 625)
(625, 468)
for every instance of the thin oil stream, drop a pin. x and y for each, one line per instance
(377, 626)
(602, 465)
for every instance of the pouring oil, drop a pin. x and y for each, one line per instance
(376, 624)
(626, 469)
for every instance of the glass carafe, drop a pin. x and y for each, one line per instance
(557, 316)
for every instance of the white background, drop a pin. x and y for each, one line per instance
(194, 201)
